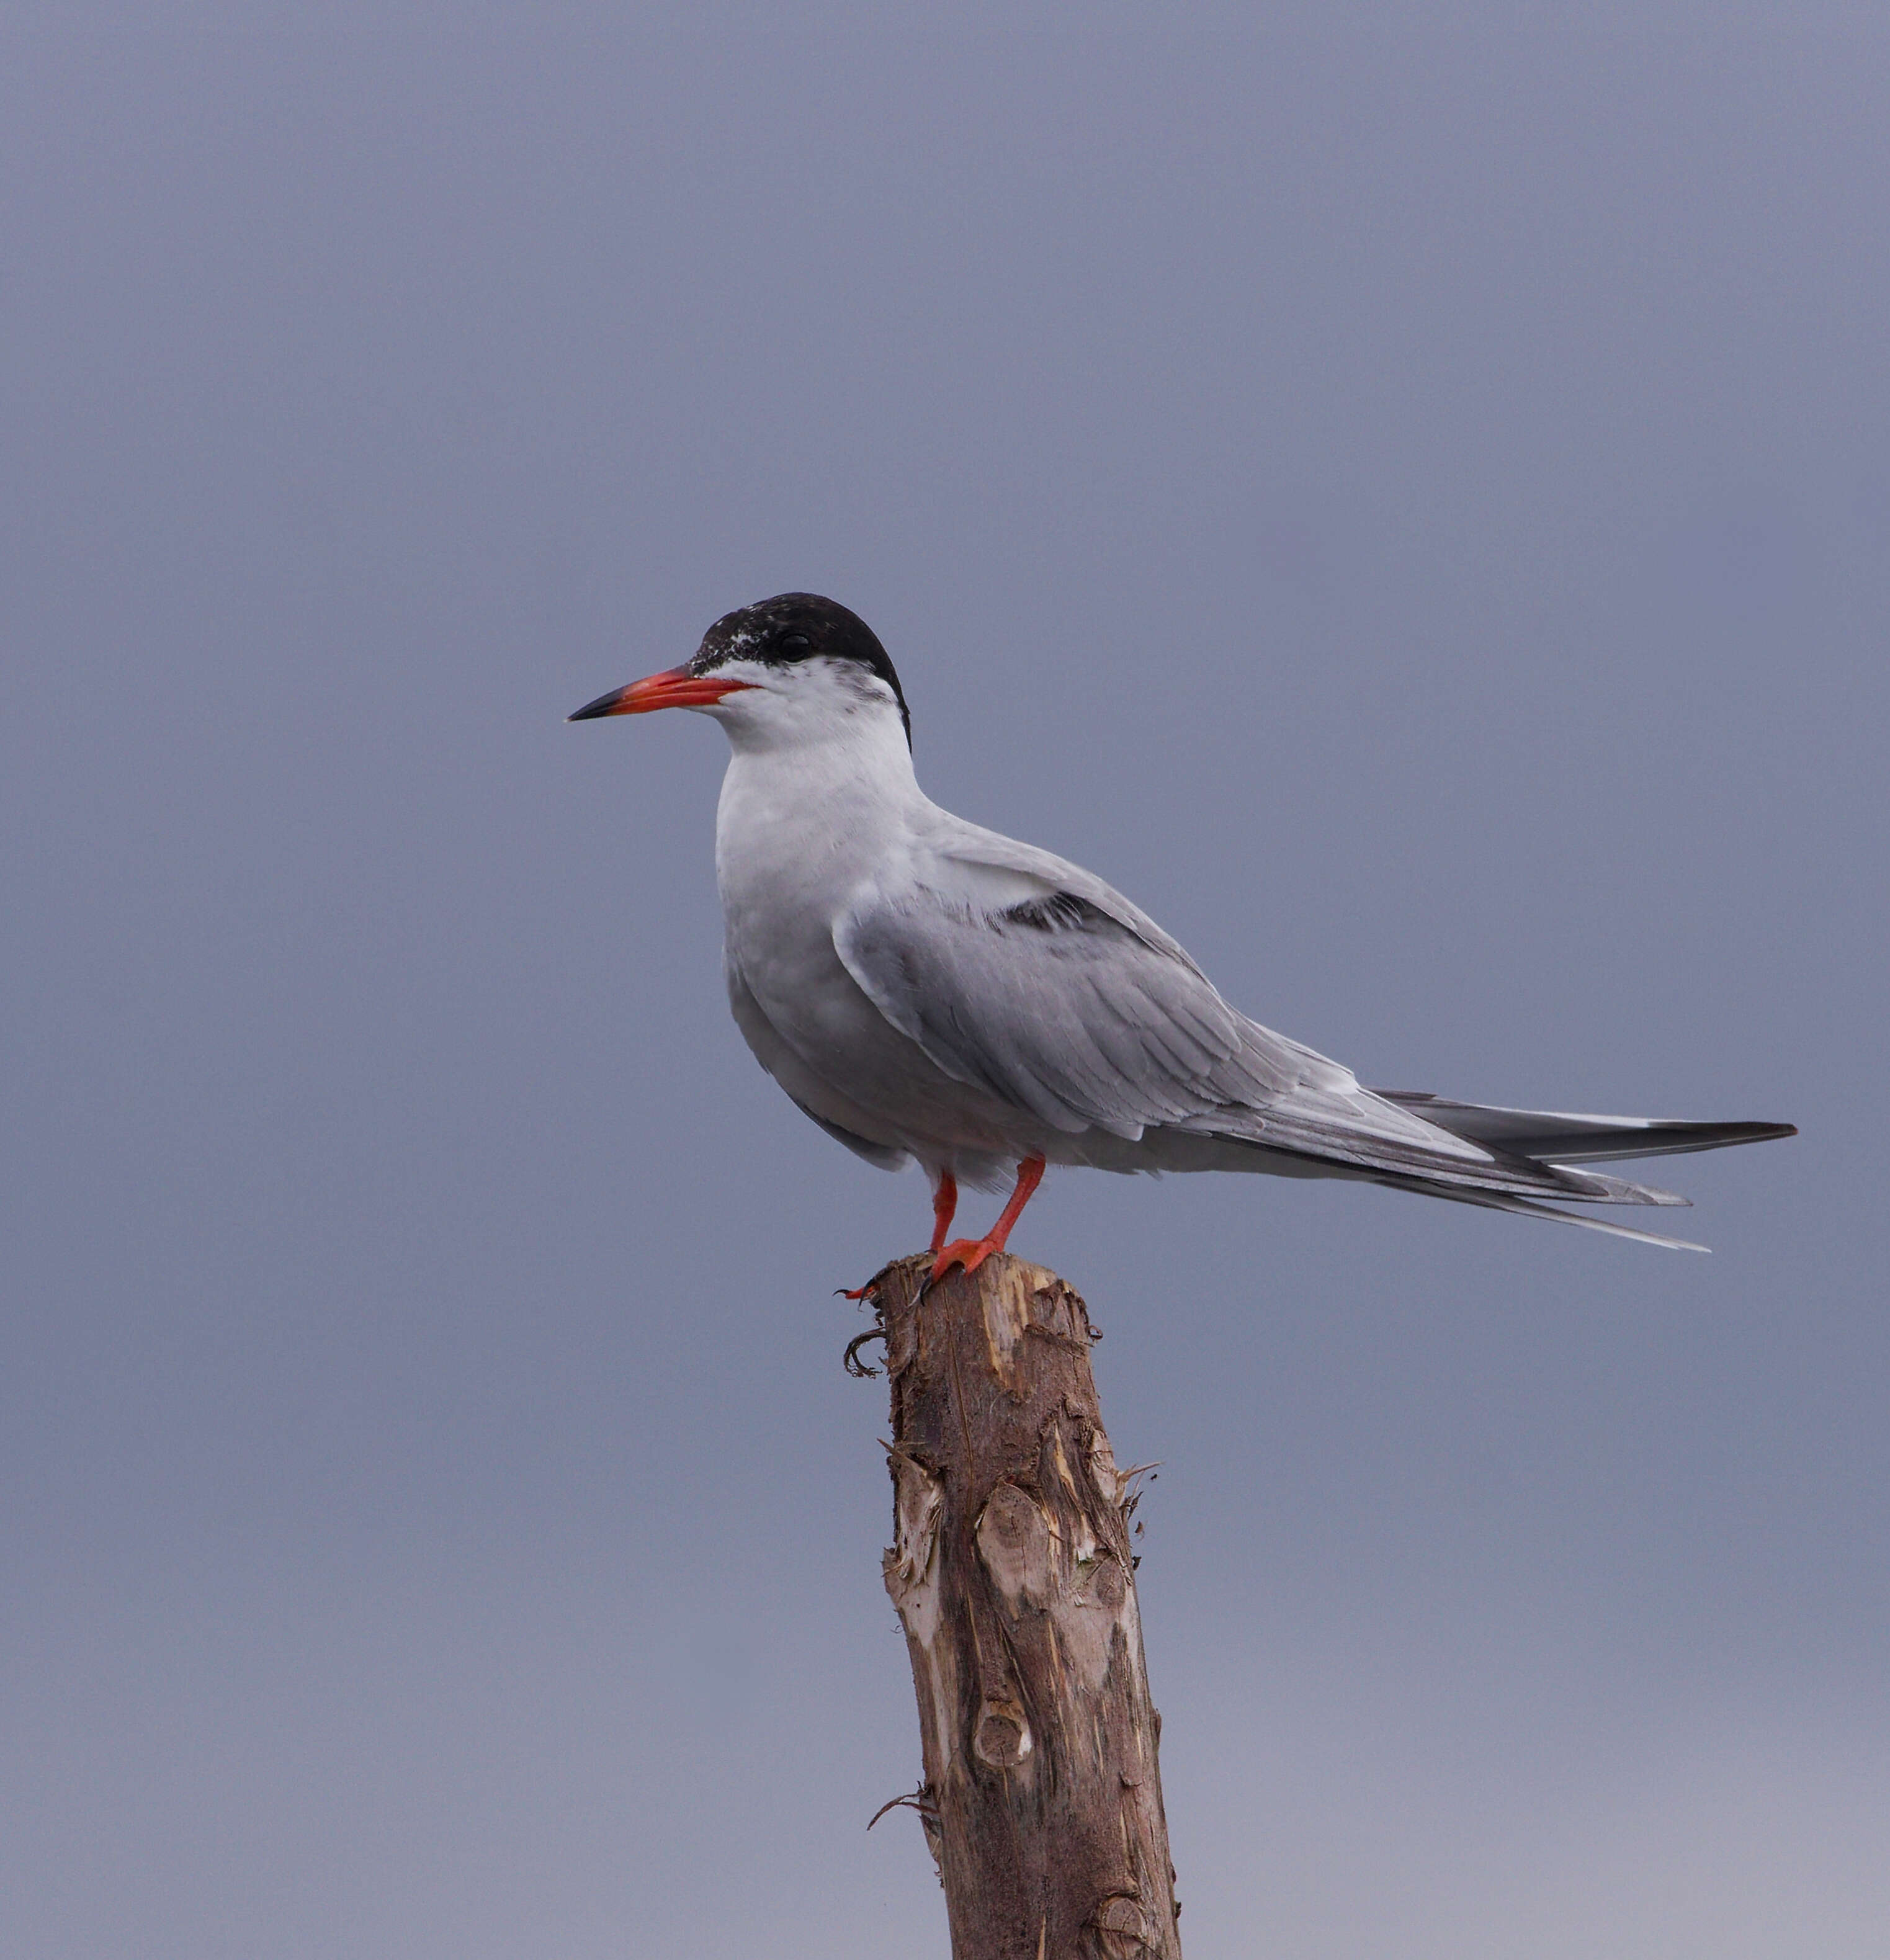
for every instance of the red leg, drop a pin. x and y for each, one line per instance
(944, 1205)
(972, 1253)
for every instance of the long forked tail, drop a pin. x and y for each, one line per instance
(1555, 1137)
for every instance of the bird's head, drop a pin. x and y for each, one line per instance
(793, 668)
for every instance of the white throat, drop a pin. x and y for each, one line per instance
(819, 789)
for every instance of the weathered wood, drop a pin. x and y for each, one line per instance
(1013, 1579)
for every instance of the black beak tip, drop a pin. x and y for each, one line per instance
(593, 711)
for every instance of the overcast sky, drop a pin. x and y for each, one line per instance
(1413, 511)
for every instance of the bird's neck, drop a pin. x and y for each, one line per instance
(828, 809)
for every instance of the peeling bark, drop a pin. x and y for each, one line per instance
(1013, 1580)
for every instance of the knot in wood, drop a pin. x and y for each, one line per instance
(1123, 1928)
(1014, 1538)
(1109, 1588)
(1002, 1739)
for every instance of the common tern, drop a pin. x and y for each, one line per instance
(928, 990)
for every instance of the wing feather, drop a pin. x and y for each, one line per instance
(1048, 991)
(1029, 978)
(1568, 1138)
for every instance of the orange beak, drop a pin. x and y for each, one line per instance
(675, 687)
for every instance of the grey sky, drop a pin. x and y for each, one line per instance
(1413, 512)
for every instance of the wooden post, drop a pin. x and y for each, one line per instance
(1013, 1577)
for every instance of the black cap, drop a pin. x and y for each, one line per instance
(798, 626)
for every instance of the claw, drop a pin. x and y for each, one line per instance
(969, 1253)
(972, 1253)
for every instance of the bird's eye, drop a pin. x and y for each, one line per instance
(794, 643)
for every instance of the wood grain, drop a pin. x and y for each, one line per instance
(1012, 1577)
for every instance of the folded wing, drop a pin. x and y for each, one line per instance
(1029, 978)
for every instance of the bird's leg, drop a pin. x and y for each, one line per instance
(972, 1253)
(944, 1205)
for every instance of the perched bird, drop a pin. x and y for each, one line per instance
(926, 989)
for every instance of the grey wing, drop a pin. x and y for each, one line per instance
(1068, 1002)
(797, 1080)
(1051, 1005)
(1047, 986)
